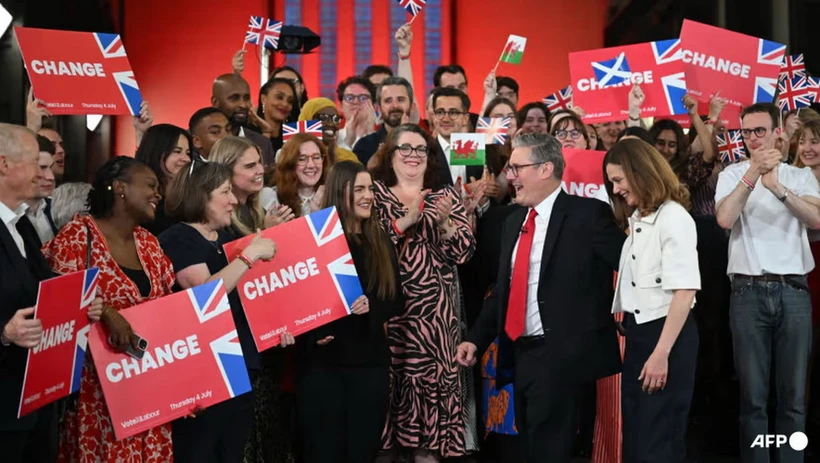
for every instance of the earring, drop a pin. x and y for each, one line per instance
(122, 195)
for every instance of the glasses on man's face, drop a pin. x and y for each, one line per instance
(406, 150)
(759, 132)
(453, 113)
(314, 158)
(363, 98)
(562, 134)
(513, 169)
(335, 118)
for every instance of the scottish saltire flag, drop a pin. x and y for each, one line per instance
(730, 147)
(263, 31)
(612, 72)
(562, 99)
(771, 54)
(292, 128)
(793, 66)
(412, 6)
(116, 63)
(794, 93)
(514, 49)
(495, 129)
(674, 84)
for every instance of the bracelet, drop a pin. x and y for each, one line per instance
(245, 260)
(404, 57)
(636, 119)
(748, 183)
(396, 227)
(710, 122)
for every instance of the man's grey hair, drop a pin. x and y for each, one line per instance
(395, 80)
(12, 139)
(67, 200)
(545, 148)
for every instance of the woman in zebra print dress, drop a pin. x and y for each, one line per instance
(431, 406)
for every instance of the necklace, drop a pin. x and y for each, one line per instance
(205, 233)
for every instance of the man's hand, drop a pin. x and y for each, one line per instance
(35, 112)
(22, 330)
(142, 122)
(766, 160)
(238, 62)
(771, 182)
(404, 38)
(465, 354)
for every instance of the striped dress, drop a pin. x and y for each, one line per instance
(432, 403)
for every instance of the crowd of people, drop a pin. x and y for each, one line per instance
(492, 327)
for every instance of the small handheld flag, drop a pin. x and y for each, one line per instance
(292, 128)
(793, 66)
(794, 93)
(263, 32)
(467, 149)
(562, 99)
(495, 129)
(513, 50)
(412, 6)
(730, 147)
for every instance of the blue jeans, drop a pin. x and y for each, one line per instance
(771, 318)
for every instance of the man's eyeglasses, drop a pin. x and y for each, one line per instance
(407, 150)
(335, 118)
(513, 168)
(759, 132)
(453, 113)
(303, 160)
(363, 98)
(562, 134)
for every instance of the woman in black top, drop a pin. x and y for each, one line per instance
(343, 381)
(201, 199)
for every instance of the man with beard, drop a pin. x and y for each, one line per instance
(207, 126)
(231, 94)
(395, 100)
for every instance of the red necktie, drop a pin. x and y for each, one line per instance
(517, 304)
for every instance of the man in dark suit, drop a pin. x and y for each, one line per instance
(231, 94)
(550, 307)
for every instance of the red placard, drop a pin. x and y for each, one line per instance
(53, 367)
(583, 173)
(603, 78)
(193, 359)
(744, 69)
(79, 72)
(311, 282)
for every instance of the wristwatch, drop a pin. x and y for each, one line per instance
(785, 195)
(5, 342)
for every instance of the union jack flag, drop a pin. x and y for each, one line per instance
(794, 93)
(814, 87)
(495, 128)
(326, 228)
(730, 147)
(562, 99)
(292, 128)
(768, 53)
(90, 283)
(269, 33)
(113, 51)
(793, 66)
(412, 6)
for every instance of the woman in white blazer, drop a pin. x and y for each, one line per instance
(657, 280)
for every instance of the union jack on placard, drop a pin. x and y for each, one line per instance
(268, 30)
(562, 99)
(768, 53)
(793, 66)
(730, 147)
(674, 85)
(90, 283)
(113, 51)
(412, 6)
(794, 93)
(325, 228)
(209, 300)
(495, 128)
(292, 128)
(231, 363)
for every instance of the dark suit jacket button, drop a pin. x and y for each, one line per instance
(637, 312)
(657, 280)
(638, 230)
(633, 284)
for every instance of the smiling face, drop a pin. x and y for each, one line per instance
(45, 185)
(248, 173)
(178, 158)
(329, 128)
(446, 124)
(608, 132)
(667, 144)
(530, 183)
(141, 194)
(233, 98)
(570, 136)
(354, 92)
(59, 151)
(808, 148)
(309, 164)
(501, 111)
(291, 76)
(22, 173)
(362, 195)
(535, 121)
(414, 165)
(220, 206)
(620, 185)
(278, 102)
(394, 104)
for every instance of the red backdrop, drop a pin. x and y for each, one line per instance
(176, 60)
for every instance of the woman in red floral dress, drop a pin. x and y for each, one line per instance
(133, 270)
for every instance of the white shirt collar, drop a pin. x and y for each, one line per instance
(544, 208)
(41, 207)
(10, 217)
(242, 131)
(445, 145)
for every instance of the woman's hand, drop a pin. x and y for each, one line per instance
(287, 339)
(654, 372)
(95, 309)
(490, 85)
(260, 248)
(443, 207)
(196, 412)
(716, 105)
(636, 99)
(238, 62)
(324, 341)
(414, 214)
(263, 125)
(691, 105)
(360, 306)
(120, 334)
(36, 111)
(278, 216)
(318, 199)
(404, 38)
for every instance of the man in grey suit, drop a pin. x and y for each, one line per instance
(231, 94)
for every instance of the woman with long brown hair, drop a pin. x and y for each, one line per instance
(343, 378)
(657, 280)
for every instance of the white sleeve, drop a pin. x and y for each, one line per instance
(726, 184)
(679, 250)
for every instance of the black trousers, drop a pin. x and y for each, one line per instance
(39, 444)
(654, 425)
(545, 405)
(342, 412)
(218, 435)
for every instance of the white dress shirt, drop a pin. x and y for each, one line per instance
(10, 219)
(39, 220)
(532, 323)
(767, 237)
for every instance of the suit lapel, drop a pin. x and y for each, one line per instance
(553, 230)
(16, 259)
